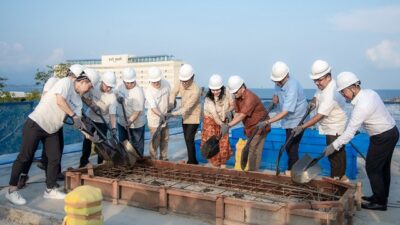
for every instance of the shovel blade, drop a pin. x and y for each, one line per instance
(132, 153)
(300, 173)
(210, 148)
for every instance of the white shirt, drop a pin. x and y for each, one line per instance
(49, 84)
(107, 102)
(133, 102)
(157, 98)
(47, 114)
(368, 111)
(331, 104)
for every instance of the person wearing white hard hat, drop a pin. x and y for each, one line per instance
(132, 96)
(57, 75)
(157, 96)
(250, 111)
(190, 109)
(370, 112)
(63, 99)
(72, 73)
(101, 100)
(331, 115)
(218, 107)
(290, 98)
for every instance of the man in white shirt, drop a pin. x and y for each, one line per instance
(157, 97)
(369, 111)
(43, 123)
(101, 101)
(42, 164)
(131, 95)
(331, 116)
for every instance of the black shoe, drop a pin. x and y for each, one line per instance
(373, 206)
(40, 165)
(22, 181)
(367, 198)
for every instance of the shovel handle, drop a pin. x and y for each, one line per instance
(126, 121)
(357, 150)
(247, 146)
(314, 161)
(310, 107)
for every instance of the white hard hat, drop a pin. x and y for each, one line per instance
(109, 79)
(234, 83)
(345, 79)
(215, 82)
(93, 76)
(76, 69)
(154, 74)
(319, 68)
(279, 71)
(186, 72)
(129, 75)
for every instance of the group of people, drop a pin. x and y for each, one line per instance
(119, 109)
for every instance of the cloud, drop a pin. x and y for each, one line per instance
(385, 55)
(55, 57)
(383, 19)
(13, 54)
(14, 57)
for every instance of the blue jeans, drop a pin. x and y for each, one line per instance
(137, 135)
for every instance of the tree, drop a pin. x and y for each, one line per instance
(2, 84)
(42, 76)
(59, 70)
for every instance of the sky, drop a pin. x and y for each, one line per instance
(228, 37)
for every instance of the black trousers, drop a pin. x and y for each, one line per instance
(379, 157)
(87, 146)
(31, 135)
(44, 160)
(337, 159)
(292, 149)
(189, 132)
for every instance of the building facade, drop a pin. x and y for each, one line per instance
(141, 64)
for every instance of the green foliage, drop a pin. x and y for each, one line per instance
(33, 95)
(42, 76)
(2, 84)
(59, 70)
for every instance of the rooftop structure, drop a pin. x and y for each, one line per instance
(141, 64)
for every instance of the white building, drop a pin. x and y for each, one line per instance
(141, 64)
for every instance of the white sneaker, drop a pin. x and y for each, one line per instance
(15, 198)
(53, 193)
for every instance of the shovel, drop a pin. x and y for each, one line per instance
(310, 107)
(245, 152)
(103, 148)
(306, 169)
(118, 146)
(157, 132)
(210, 148)
(133, 153)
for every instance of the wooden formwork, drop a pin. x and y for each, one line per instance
(226, 209)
